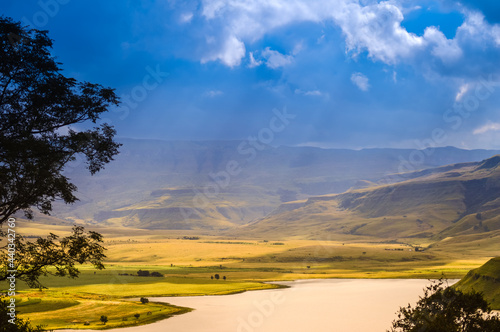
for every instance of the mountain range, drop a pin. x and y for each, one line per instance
(454, 200)
(241, 188)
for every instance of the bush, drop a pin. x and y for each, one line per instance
(447, 310)
(141, 273)
(144, 300)
(217, 276)
(20, 325)
(104, 319)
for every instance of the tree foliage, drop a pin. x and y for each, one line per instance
(446, 309)
(8, 324)
(38, 105)
(142, 273)
(54, 256)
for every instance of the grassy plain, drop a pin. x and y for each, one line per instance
(188, 264)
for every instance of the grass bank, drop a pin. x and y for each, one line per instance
(188, 265)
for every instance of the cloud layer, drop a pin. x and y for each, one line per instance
(374, 29)
(364, 73)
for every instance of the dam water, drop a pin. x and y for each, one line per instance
(308, 305)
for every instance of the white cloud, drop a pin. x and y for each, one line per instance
(316, 93)
(374, 28)
(249, 20)
(475, 31)
(377, 29)
(367, 26)
(462, 91)
(231, 53)
(253, 63)
(441, 47)
(275, 59)
(186, 17)
(490, 126)
(361, 81)
(213, 93)
(297, 48)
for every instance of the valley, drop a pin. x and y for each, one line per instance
(188, 260)
(208, 222)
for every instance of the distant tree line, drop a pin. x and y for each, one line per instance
(142, 273)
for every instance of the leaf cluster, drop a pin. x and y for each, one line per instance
(39, 108)
(54, 255)
(446, 309)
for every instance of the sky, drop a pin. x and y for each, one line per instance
(330, 74)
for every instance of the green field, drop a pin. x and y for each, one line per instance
(187, 266)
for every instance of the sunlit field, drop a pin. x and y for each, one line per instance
(189, 264)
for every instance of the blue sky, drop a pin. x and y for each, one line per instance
(354, 74)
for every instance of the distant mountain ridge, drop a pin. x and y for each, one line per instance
(452, 200)
(184, 185)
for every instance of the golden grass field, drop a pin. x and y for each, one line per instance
(187, 266)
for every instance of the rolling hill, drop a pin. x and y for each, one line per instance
(187, 185)
(450, 201)
(486, 280)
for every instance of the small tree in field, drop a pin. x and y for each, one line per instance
(217, 276)
(137, 316)
(447, 310)
(104, 319)
(144, 300)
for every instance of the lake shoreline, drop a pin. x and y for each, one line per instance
(270, 298)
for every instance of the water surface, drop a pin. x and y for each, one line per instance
(309, 305)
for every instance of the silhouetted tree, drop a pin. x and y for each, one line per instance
(36, 258)
(216, 276)
(447, 310)
(104, 319)
(137, 316)
(144, 300)
(38, 104)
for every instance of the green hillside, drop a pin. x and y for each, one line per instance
(440, 203)
(485, 279)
